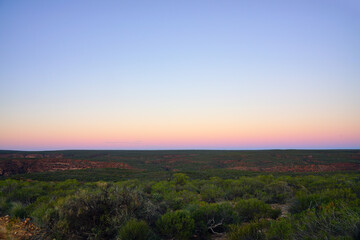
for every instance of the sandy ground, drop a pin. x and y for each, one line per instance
(2, 232)
(16, 229)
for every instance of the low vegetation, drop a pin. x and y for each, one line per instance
(246, 207)
(118, 165)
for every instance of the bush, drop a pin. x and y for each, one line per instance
(305, 201)
(44, 214)
(234, 191)
(178, 225)
(279, 230)
(93, 212)
(17, 210)
(248, 231)
(4, 206)
(211, 193)
(212, 218)
(278, 192)
(253, 209)
(328, 222)
(85, 215)
(134, 230)
(180, 179)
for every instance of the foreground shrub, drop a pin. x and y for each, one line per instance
(212, 217)
(253, 209)
(93, 213)
(86, 215)
(4, 206)
(328, 222)
(305, 201)
(248, 231)
(17, 210)
(134, 230)
(280, 230)
(178, 225)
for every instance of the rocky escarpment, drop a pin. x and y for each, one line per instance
(29, 165)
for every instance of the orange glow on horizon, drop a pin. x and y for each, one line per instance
(208, 131)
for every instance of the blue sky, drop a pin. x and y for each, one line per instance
(179, 74)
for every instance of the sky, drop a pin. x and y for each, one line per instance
(204, 74)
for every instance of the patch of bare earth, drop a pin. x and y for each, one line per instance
(221, 236)
(283, 207)
(2, 232)
(29, 165)
(16, 229)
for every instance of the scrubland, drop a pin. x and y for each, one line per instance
(271, 206)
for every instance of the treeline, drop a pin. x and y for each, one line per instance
(258, 207)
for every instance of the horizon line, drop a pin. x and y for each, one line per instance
(182, 149)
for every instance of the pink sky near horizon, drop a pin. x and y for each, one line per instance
(184, 129)
(203, 138)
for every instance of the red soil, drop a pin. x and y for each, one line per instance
(28, 165)
(17, 229)
(20, 155)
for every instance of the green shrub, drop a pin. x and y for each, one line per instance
(17, 210)
(4, 206)
(211, 193)
(45, 215)
(178, 225)
(305, 201)
(343, 194)
(134, 230)
(180, 179)
(234, 191)
(95, 213)
(248, 231)
(327, 222)
(212, 217)
(253, 209)
(279, 230)
(278, 192)
(85, 215)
